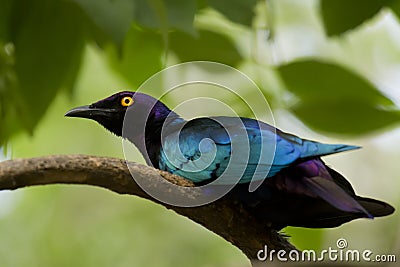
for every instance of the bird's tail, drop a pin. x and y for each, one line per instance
(297, 199)
(335, 195)
(375, 207)
(326, 216)
(281, 209)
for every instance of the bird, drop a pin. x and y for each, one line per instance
(297, 188)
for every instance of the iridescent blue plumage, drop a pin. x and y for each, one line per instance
(296, 187)
(287, 149)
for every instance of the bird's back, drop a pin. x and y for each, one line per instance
(204, 147)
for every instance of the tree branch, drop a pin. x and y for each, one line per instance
(226, 219)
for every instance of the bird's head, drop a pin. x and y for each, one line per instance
(110, 112)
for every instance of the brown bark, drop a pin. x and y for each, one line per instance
(226, 219)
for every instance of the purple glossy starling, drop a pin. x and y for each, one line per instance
(298, 188)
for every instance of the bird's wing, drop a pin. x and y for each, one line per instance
(198, 152)
(204, 147)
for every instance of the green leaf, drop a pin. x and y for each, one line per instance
(238, 11)
(342, 15)
(10, 124)
(49, 41)
(205, 46)
(352, 116)
(5, 11)
(167, 14)
(313, 80)
(142, 54)
(113, 18)
(336, 100)
(395, 6)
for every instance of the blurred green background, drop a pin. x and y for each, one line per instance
(327, 75)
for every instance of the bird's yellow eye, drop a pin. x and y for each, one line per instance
(127, 101)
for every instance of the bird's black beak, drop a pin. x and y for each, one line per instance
(88, 112)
